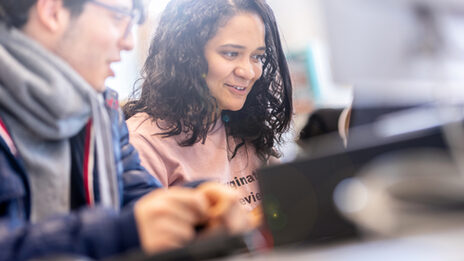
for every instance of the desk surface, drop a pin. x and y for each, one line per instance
(431, 246)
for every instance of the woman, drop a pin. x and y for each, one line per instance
(216, 95)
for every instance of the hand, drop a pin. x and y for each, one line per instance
(224, 212)
(257, 217)
(166, 218)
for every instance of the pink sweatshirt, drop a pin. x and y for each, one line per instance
(174, 165)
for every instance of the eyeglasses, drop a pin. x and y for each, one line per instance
(134, 15)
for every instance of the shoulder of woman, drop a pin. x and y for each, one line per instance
(142, 123)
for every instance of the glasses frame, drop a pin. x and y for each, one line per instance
(134, 14)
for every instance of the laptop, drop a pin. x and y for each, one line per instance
(298, 197)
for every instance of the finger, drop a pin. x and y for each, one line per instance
(237, 220)
(256, 217)
(187, 199)
(167, 234)
(178, 233)
(182, 204)
(225, 211)
(166, 219)
(220, 198)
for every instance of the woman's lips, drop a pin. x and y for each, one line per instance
(240, 90)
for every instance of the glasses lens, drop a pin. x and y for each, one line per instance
(139, 7)
(135, 17)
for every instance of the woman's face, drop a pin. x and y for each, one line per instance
(234, 57)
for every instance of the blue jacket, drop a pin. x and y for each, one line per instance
(93, 232)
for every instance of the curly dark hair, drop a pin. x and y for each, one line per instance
(174, 88)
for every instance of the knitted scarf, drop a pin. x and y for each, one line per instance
(44, 103)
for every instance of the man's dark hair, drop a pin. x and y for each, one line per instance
(16, 12)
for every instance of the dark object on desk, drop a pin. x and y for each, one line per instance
(320, 122)
(298, 196)
(201, 249)
(361, 115)
(321, 127)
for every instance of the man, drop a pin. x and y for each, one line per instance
(68, 175)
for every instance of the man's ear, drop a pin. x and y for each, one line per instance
(52, 14)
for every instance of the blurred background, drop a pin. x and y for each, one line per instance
(371, 53)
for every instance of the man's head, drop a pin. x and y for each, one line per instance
(16, 12)
(88, 34)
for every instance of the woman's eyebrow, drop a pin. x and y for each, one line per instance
(237, 46)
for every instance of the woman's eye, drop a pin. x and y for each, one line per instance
(230, 54)
(258, 57)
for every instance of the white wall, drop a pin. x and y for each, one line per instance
(301, 23)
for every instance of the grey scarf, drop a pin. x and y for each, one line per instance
(44, 102)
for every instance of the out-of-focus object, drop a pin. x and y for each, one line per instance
(321, 121)
(397, 54)
(299, 203)
(325, 121)
(404, 43)
(401, 193)
(304, 80)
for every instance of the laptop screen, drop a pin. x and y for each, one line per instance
(298, 196)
